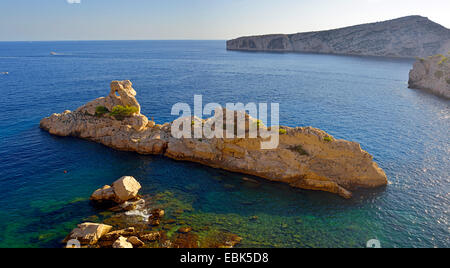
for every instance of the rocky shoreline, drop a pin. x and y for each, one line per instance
(136, 224)
(306, 157)
(432, 74)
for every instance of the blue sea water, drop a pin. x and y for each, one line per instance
(363, 99)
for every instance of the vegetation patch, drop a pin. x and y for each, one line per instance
(101, 111)
(328, 139)
(259, 123)
(443, 60)
(283, 131)
(299, 149)
(120, 112)
(448, 81)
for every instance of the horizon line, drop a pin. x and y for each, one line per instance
(101, 40)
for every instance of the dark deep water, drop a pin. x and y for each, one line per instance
(363, 99)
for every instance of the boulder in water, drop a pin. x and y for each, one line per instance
(88, 233)
(122, 190)
(126, 188)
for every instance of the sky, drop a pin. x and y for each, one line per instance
(37, 20)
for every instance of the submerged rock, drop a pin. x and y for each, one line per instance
(331, 165)
(185, 240)
(150, 236)
(159, 213)
(220, 239)
(155, 217)
(185, 230)
(432, 74)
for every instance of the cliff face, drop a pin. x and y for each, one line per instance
(432, 74)
(306, 157)
(412, 36)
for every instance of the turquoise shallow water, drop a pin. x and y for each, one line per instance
(363, 99)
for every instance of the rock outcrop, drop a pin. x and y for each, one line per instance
(432, 74)
(412, 36)
(88, 233)
(122, 242)
(139, 229)
(122, 190)
(306, 157)
(122, 93)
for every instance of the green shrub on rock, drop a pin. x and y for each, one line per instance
(101, 110)
(299, 149)
(120, 112)
(328, 139)
(443, 60)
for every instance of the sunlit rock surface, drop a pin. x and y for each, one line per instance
(432, 74)
(306, 157)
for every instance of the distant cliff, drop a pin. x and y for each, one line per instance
(412, 36)
(432, 74)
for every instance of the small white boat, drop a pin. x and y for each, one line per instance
(53, 53)
(4, 73)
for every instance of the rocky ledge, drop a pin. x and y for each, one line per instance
(432, 74)
(306, 157)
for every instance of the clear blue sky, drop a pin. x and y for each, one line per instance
(197, 19)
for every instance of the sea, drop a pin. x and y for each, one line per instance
(46, 181)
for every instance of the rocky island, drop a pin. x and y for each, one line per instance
(412, 36)
(306, 157)
(432, 74)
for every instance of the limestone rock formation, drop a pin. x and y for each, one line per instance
(103, 194)
(123, 190)
(412, 36)
(126, 188)
(122, 243)
(122, 93)
(306, 157)
(88, 233)
(432, 74)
